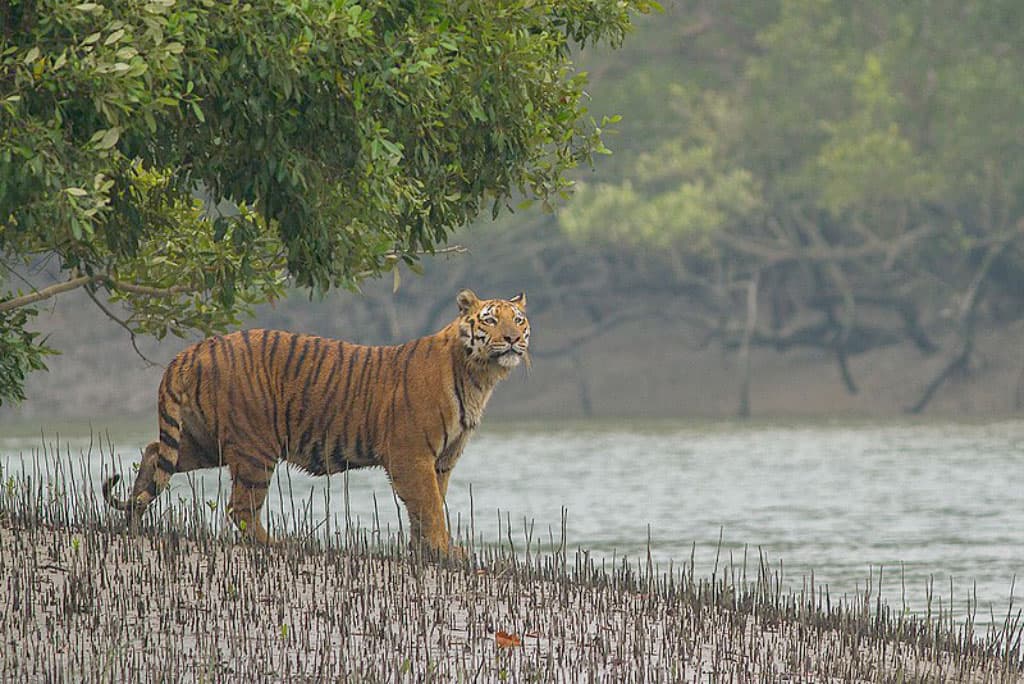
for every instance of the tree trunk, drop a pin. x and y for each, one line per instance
(582, 386)
(744, 358)
(968, 317)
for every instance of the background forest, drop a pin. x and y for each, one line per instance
(813, 207)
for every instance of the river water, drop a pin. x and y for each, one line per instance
(924, 504)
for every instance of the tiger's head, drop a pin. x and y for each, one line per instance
(494, 331)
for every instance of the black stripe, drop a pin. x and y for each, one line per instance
(359, 447)
(165, 464)
(304, 439)
(359, 389)
(430, 447)
(380, 366)
(248, 366)
(263, 344)
(371, 395)
(214, 364)
(327, 399)
(329, 382)
(348, 374)
(320, 354)
(249, 356)
(273, 345)
(338, 461)
(306, 343)
(405, 375)
(316, 459)
(197, 365)
(172, 370)
(364, 371)
(458, 397)
(151, 488)
(303, 399)
(347, 405)
(251, 376)
(260, 459)
(293, 342)
(168, 440)
(167, 419)
(251, 484)
(199, 384)
(230, 347)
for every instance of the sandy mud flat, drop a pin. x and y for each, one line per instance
(96, 604)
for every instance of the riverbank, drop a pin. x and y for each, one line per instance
(92, 603)
(654, 367)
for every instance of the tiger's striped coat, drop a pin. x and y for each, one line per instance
(250, 399)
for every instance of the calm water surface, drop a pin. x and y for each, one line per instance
(926, 503)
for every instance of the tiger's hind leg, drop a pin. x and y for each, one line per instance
(249, 484)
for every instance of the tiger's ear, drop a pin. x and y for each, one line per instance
(519, 300)
(466, 300)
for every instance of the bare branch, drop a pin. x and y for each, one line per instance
(967, 319)
(85, 280)
(45, 293)
(124, 325)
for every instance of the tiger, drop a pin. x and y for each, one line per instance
(250, 399)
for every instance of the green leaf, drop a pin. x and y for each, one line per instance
(114, 37)
(107, 138)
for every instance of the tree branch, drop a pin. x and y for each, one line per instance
(124, 325)
(967, 318)
(45, 293)
(82, 281)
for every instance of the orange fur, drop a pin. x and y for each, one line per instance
(250, 399)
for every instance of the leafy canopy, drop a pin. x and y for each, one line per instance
(351, 135)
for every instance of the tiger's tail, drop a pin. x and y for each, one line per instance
(130, 506)
(143, 490)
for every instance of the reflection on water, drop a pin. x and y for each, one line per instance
(926, 503)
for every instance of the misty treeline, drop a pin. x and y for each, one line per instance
(830, 174)
(834, 175)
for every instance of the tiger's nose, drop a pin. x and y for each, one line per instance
(510, 340)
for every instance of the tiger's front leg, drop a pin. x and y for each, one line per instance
(416, 485)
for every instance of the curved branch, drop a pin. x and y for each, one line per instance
(968, 314)
(123, 324)
(46, 293)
